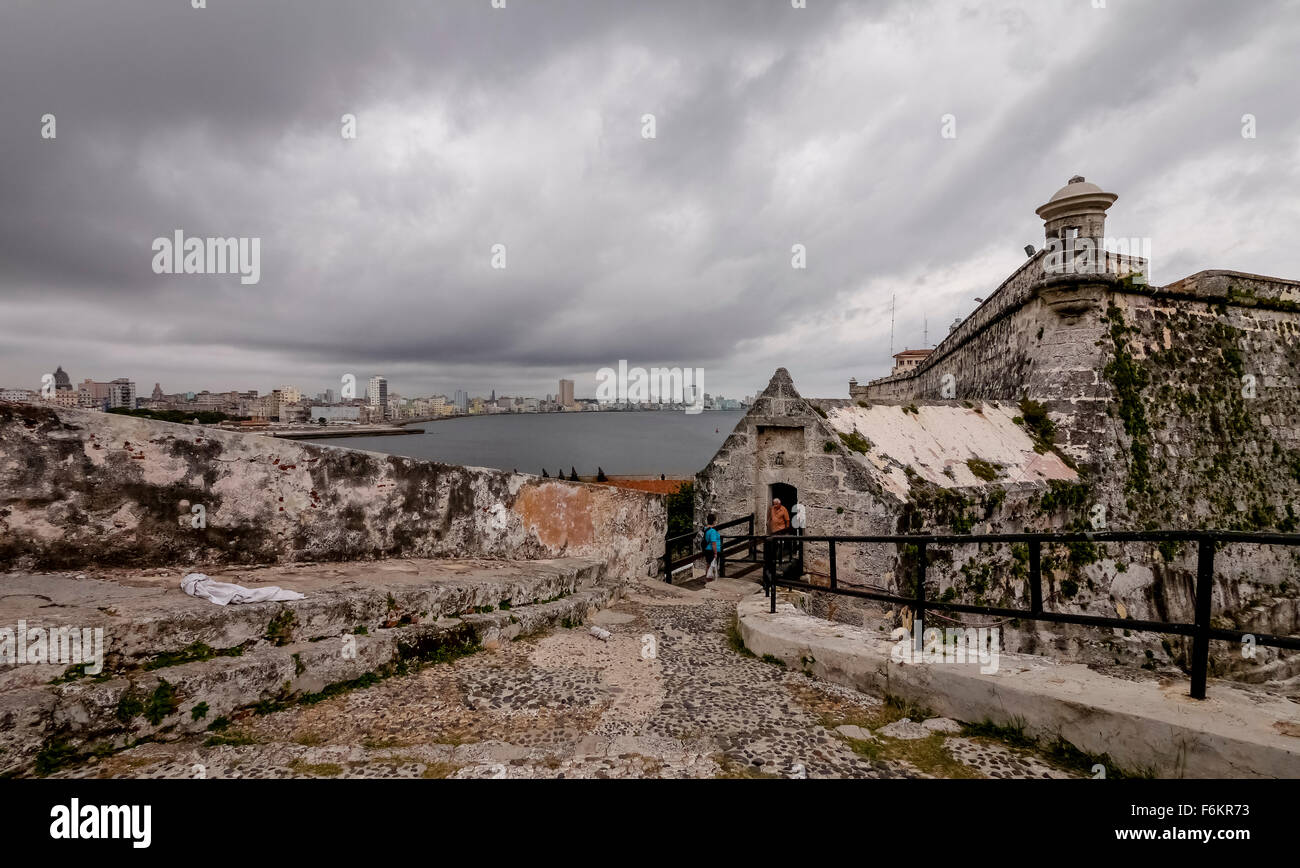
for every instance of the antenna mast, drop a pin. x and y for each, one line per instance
(891, 324)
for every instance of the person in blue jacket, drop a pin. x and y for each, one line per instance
(712, 548)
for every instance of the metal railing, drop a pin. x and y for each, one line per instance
(747, 542)
(782, 548)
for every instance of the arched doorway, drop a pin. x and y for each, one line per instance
(789, 556)
(784, 492)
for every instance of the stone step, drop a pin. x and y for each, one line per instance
(148, 621)
(84, 715)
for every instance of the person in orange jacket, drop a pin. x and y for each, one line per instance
(778, 519)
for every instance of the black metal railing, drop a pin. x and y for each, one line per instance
(686, 542)
(779, 550)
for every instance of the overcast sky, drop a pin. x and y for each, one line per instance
(523, 126)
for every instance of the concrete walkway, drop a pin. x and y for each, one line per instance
(1148, 726)
(668, 695)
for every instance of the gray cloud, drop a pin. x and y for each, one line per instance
(522, 126)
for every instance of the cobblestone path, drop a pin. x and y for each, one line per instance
(670, 694)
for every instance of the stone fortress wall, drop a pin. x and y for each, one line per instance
(83, 488)
(1180, 406)
(1177, 405)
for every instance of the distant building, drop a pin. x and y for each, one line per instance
(65, 398)
(566, 393)
(18, 396)
(121, 393)
(92, 394)
(253, 407)
(105, 396)
(340, 413)
(295, 412)
(157, 392)
(206, 400)
(907, 360)
(377, 397)
(62, 382)
(461, 401)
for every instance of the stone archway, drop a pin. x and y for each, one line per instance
(785, 492)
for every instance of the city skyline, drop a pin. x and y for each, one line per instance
(326, 395)
(34, 384)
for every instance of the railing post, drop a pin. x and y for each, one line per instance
(767, 572)
(1035, 576)
(722, 563)
(834, 583)
(1204, 590)
(770, 568)
(918, 620)
(753, 548)
(668, 562)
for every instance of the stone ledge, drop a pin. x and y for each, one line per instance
(1154, 726)
(109, 713)
(145, 616)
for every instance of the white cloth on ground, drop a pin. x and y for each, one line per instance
(222, 593)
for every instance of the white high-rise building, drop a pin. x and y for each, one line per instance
(121, 393)
(377, 396)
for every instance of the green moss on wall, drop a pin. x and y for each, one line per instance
(1128, 380)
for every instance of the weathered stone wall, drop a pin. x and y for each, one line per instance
(1179, 406)
(1046, 338)
(1179, 403)
(82, 488)
(982, 339)
(839, 495)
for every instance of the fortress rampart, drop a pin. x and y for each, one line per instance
(84, 488)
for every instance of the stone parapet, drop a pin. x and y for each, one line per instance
(86, 488)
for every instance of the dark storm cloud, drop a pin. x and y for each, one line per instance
(522, 127)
